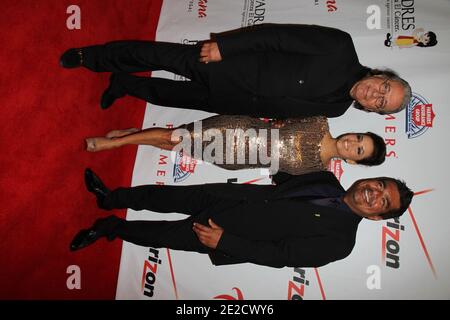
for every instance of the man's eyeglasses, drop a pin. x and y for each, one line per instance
(384, 88)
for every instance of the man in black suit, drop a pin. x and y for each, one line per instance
(274, 71)
(307, 220)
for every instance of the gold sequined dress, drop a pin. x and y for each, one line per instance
(296, 143)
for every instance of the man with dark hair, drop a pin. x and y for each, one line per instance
(405, 199)
(274, 71)
(307, 220)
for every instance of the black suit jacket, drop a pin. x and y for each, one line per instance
(263, 227)
(282, 71)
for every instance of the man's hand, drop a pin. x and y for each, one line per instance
(208, 236)
(210, 53)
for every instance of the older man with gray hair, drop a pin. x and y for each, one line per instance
(274, 71)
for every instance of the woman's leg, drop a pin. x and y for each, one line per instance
(157, 137)
(121, 133)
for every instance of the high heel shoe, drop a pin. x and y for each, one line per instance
(99, 144)
(120, 133)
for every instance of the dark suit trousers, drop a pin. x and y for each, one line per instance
(125, 57)
(190, 200)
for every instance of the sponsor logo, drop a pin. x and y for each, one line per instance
(331, 5)
(239, 295)
(401, 14)
(419, 234)
(189, 41)
(190, 5)
(184, 166)
(390, 239)
(202, 7)
(296, 286)
(402, 22)
(335, 166)
(419, 116)
(149, 273)
(253, 13)
(391, 140)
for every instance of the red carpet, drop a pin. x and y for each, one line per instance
(46, 113)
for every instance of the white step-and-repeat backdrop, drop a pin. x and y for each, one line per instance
(406, 258)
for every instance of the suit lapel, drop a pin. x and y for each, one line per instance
(335, 220)
(297, 183)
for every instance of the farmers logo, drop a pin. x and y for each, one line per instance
(183, 167)
(419, 116)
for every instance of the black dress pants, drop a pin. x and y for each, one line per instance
(123, 57)
(190, 200)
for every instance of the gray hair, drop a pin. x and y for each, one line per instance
(393, 76)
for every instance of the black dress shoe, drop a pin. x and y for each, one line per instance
(103, 227)
(107, 99)
(72, 58)
(113, 92)
(96, 186)
(84, 238)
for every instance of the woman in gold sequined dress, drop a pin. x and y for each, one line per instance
(298, 145)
